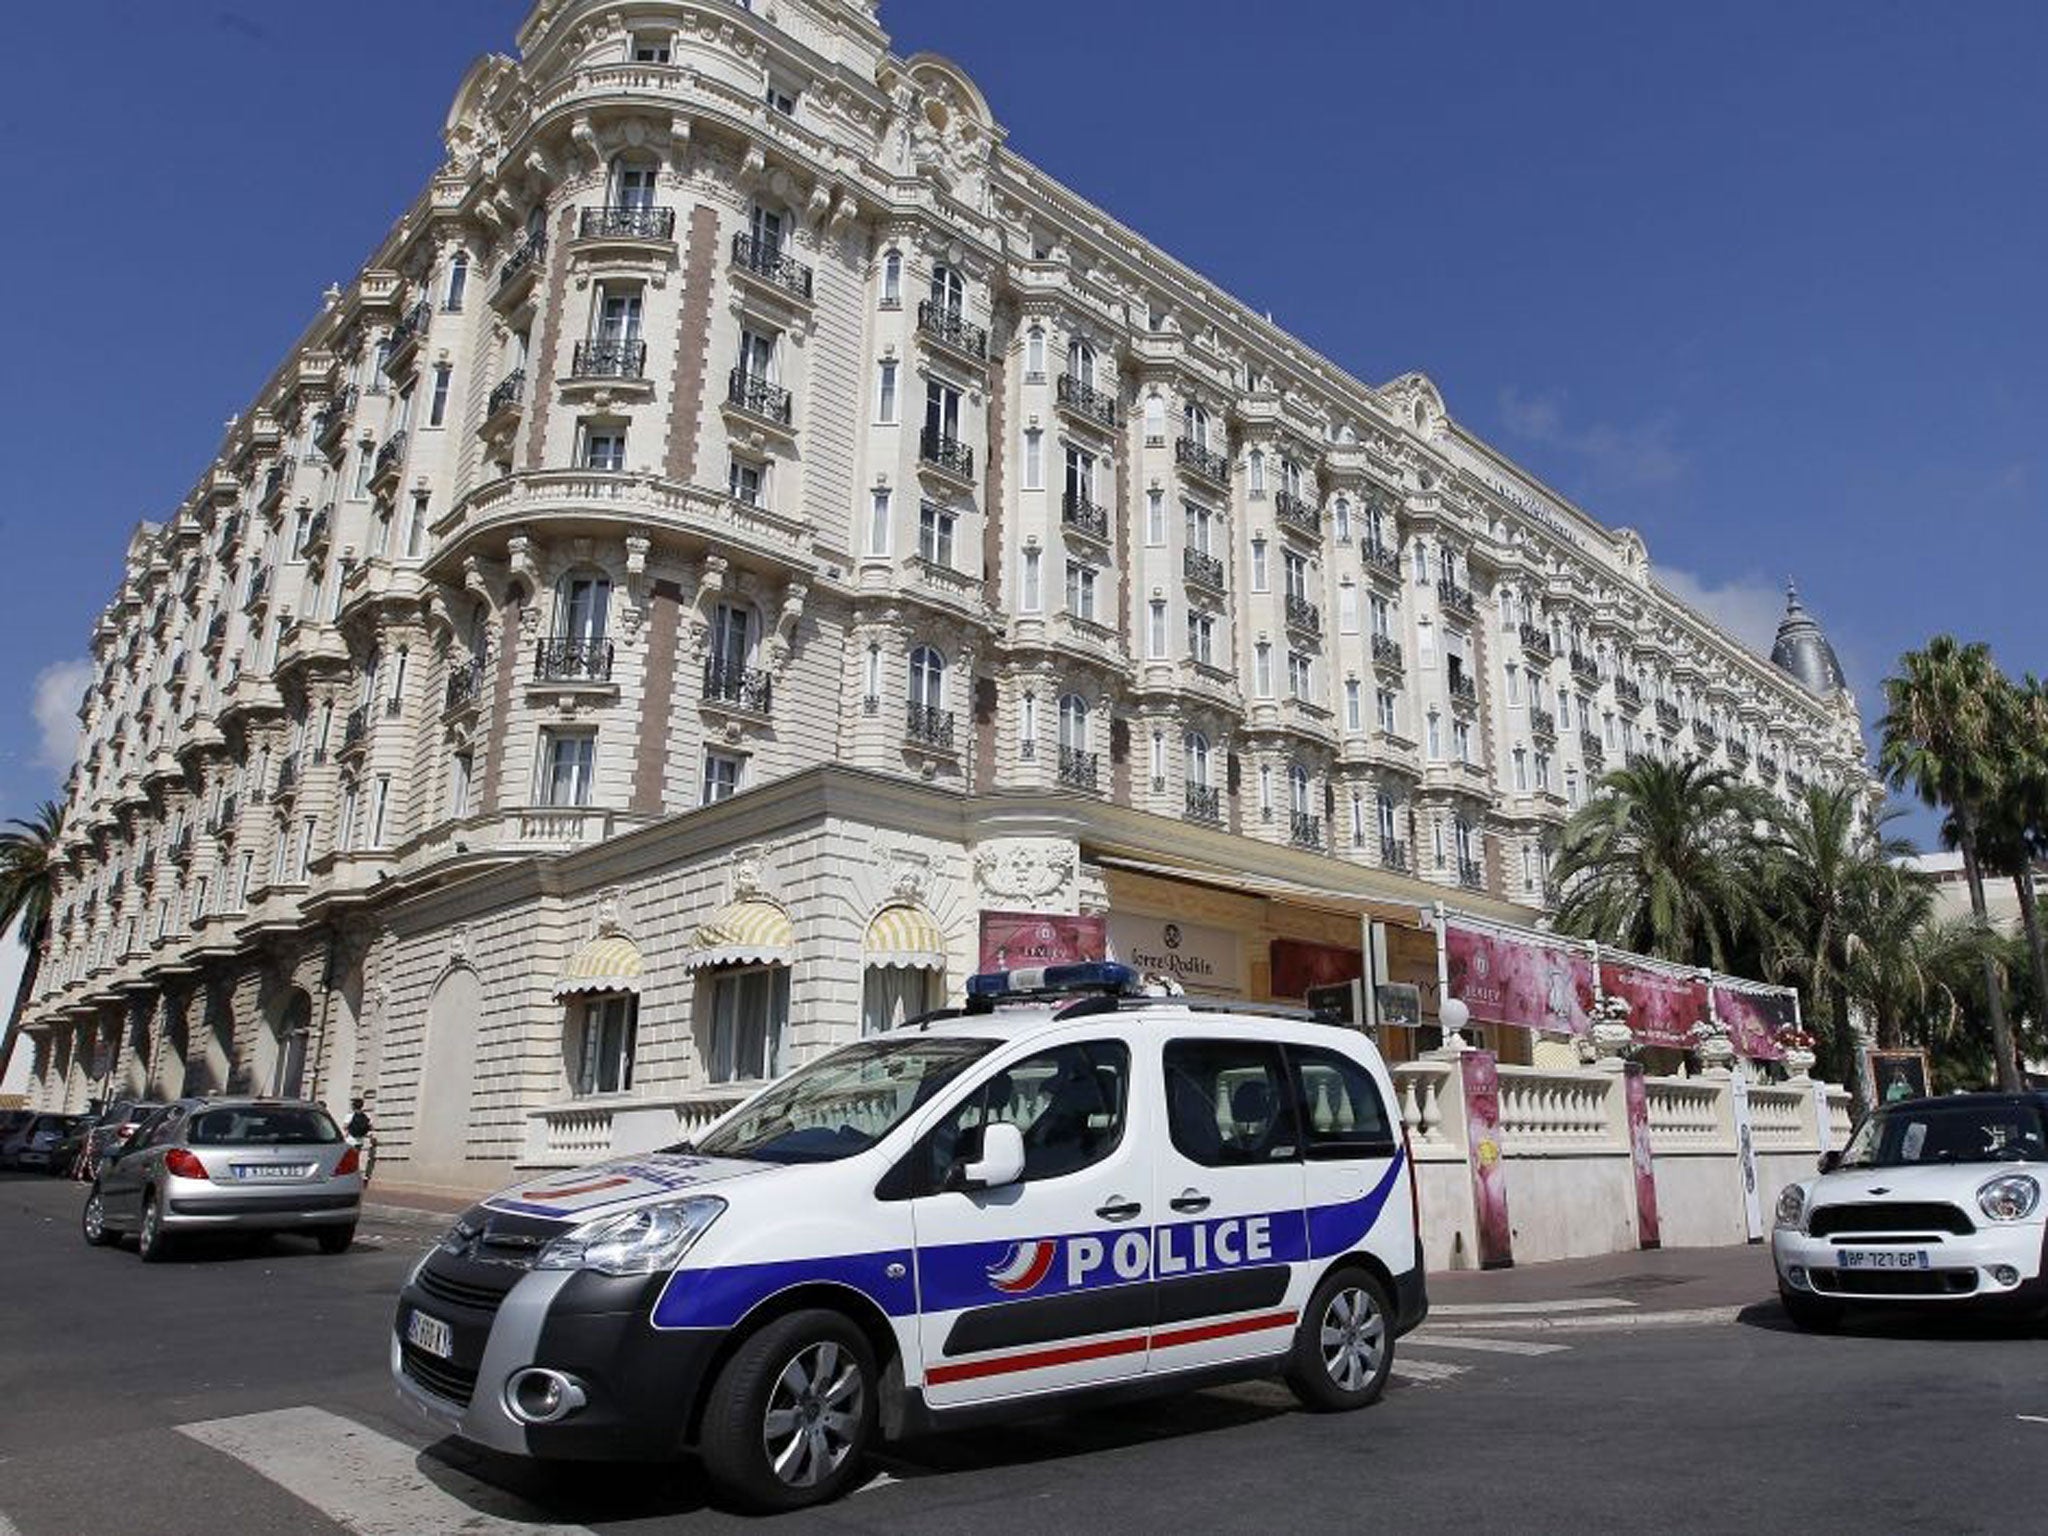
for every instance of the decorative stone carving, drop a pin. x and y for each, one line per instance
(1029, 869)
(608, 912)
(1612, 1040)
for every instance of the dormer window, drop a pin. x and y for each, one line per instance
(650, 48)
(780, 96)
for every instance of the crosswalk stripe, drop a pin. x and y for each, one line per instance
(1563, 1304)
(1426, 1370)
(1485, 1345)
(8, 1527)
(366, 1482)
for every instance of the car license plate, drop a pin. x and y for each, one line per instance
(1882, 1258)
(262, 1171)
(430, 1334)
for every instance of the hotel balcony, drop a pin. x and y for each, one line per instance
(1297, 515)
(1203, 570)
(1456, 598)
(1535, 644)
(928, 727)
(573, 660)
(507, 400)
(1584, 667)
(516, 276)
(465, 685)
(1628, 693)
(1303, 616)
(1205, 804)
(1305, 831)
(405, 338)
(1393, 854)
(1080, 514)
(765, 259)
(748, 689)
(1542, 723)
(1471, 875)
(944, 324)
(1086, 401)
(1386, 653)
(757, 397)
(1078, 768)
(609, 357)
(1667, 714)
(1192, 456)
(948, 455)
(626, 224)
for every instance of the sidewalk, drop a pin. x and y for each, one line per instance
(1611, 1290)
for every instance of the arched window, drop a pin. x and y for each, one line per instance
(1255, 474)
(1197, 763)
(1034, 351)
(458, 280)
(1155, 419)
(1343, 520)
(927, 678)
(892, 277)
(1195, 423)
(948, 292)
(1073, 722)
(1081, 360)
(1297, 790)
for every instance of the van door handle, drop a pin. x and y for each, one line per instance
(1118, 1209)
(1190, 1201)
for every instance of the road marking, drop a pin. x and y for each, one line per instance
(1687, 1318)
(366, 1482)
(1563, 1304)
(1492, 1346)
(8, 1527)
(2024, 1418)
(1426, 1370)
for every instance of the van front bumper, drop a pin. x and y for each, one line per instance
(640, 1384)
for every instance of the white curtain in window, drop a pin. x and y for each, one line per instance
(892, 994)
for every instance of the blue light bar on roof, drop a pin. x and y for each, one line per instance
(1104, 976)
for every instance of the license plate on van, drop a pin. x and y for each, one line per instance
(431, 1335)
(1882, 1258)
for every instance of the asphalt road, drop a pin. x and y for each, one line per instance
(243, 1389)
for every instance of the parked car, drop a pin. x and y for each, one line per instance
(39, 1144)
(1934, 1203)
(1074, 1188)
(69, 1161)
(115, 1126)
(11, 1121)
(228, 1165)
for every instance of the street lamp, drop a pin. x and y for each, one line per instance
(1453, 1015)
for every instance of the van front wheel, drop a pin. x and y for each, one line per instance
(1345, 1344)
(792, 1414)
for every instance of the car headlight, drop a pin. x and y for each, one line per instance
(1791, 1206)
(637, 1242)
(2011, 1198)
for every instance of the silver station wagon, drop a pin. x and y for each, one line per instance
(237, 1165)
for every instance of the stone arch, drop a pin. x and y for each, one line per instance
(447, 1080)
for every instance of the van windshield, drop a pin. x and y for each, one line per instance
(1960, 1132)
(843, 1103)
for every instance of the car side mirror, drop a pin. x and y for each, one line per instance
(1001, 1161)
(1830, 1161)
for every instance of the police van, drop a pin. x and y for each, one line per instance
(1067, 1190)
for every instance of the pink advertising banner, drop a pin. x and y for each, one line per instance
(1662, 1005)
(1481, 1072)
(1013, 939)
(1636, 1098)
(1754, 1018)
(1508, 978)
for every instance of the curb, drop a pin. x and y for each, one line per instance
(1690, 1317)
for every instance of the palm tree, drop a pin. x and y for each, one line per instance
(28, 876)
(1937, 741)
(1666, 859)
(2014, 837)
(1837, 908)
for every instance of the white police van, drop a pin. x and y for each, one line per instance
(1066, 1189)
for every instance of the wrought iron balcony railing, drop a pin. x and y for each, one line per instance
(1585, 667)
(511, 391)
(409, 329)
(1381, 557)
(626, 221)
(1203, 570)
(1191, 455)
(1628, 693)
(287, 776)
(1535, 643)
(1767, 765)
(566, 659)
(465, 683)
(945, 325)
(766, 259)
(1205, 804)
(1667, 714)
(609, 357)
(1077, 768)
(1463, 688)
(355, 727)
(1295, 512)
(1705, 735)
(1305, 831)
(1456, 598)
(1471, 875)
(757, 397)
(947, 453)
(1393, 853)
(530, 250)
(928, 726)
(1542, 722)
(1386, 652)
(1592, 748)
(1303, 615)
(1084, 399)
(740, 687)
(1085, 516)
(391, 454)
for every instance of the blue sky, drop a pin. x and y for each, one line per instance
(1761, 281)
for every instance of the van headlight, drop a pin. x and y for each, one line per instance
(1791, 1206)
(2011, 1198)
(638, 1242)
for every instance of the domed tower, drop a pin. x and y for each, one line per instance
(1803, 650)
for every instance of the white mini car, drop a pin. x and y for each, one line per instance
(1935, 1202)
(1064, 1190)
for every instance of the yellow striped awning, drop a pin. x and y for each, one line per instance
(609, 963)
(906, 936)
(749, 932)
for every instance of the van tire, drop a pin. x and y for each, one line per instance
(811, 1367)
(1344, 1346)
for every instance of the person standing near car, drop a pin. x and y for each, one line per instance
(362, 1134)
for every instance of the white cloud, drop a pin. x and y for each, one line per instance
(1615, 458)
(57, 690)
(1748, 607)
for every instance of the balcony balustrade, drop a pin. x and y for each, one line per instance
(1393, 854)
(1386, 652)
(947, 454)
(1203, 570)
(928, 726)
(1085, 516)
(523, 259)
(1592, 748)
(1456, 598)
(1085, 400)
(1303, 615)
(1205, 804)
(391, 455)
(626, 221)
(1077, 768)
(1542, 722)
(756, 396)
(1628, 693)
(1191, 455)
(609, 357)
(738, 687)
(1584, 667)
(1463, 688)
(510, 392)
(1471, 875)
(1305, 831)
(1705, 735)
(945, 325)
(766, 259)
(1380, 557)
(465, 683)
(1535, 644)
(567, 659)
(1303, 516)
(1667, 714)
(355, 727)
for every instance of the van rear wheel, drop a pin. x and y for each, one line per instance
(792, 1415)
(1344, 1346)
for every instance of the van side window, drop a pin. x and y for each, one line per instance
(1070, 1103)
(1342, 1113)
(1228, 1103)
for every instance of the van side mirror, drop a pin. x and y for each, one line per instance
(1830, 1161)
(1001, 1161)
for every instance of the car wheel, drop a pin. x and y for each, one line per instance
(792, 1414)
(336, 1239)
(1810, 1313)
(1345, 1344)
(150, 1239)
(93, 1222)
